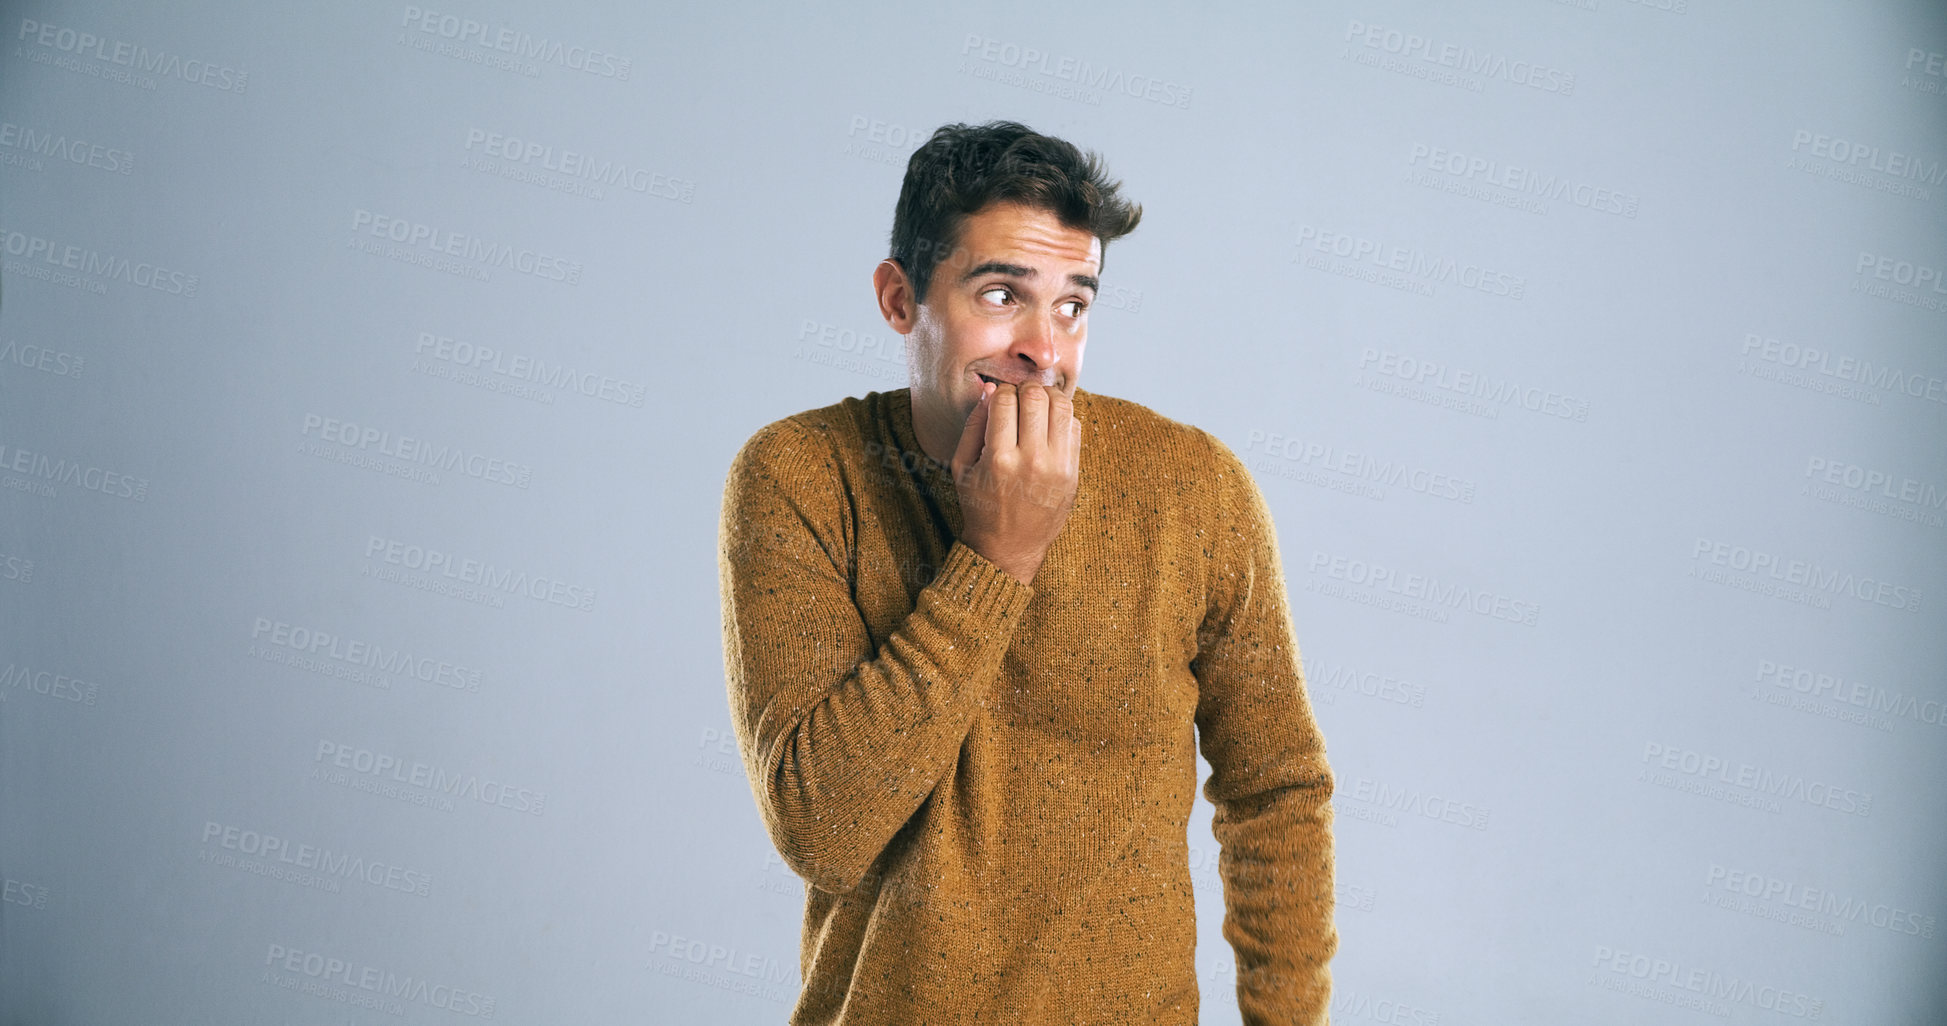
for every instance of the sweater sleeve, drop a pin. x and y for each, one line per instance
(1269, 779)
(842, 743)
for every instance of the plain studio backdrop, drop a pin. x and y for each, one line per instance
(369, 373)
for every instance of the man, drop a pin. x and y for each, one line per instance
(974, 627)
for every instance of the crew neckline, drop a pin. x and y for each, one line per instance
(939, 483)
(899, 412)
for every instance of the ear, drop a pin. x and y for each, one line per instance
(895, 292)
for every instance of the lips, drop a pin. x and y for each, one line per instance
(1003, 381)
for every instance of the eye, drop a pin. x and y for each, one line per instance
(996, 289)
(1078, 305)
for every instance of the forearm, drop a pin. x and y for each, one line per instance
(841, 756)
(1277, 866)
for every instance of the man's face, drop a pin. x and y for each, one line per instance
(1009, 303)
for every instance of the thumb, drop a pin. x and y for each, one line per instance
(974, 435)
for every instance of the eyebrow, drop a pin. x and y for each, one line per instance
(1087, 281)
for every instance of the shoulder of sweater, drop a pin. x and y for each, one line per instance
(787, 452)
(806, 427)
(1172, 456)
(1140, 431)
(801, 453)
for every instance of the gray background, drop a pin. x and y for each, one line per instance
(1635, 323)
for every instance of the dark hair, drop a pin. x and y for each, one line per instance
(962, 168)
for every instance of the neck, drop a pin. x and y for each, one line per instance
(935, 427)
(938, 426)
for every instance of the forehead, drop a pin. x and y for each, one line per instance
(1022, 234)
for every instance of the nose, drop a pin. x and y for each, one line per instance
(1034, 342)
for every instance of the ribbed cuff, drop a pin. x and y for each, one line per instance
(972, 580)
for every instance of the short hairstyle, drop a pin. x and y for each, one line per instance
(962, 168)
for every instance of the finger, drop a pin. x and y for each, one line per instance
(1001, 420)
(1034, 418)
(1061, 413)
(974, 431)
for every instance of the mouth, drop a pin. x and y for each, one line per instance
(1003, 381)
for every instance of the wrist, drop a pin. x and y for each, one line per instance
(1020, 568)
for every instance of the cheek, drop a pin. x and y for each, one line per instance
(977, 341)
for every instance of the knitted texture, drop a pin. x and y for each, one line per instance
(987, 785)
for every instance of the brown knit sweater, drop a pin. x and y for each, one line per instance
(987, 785)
